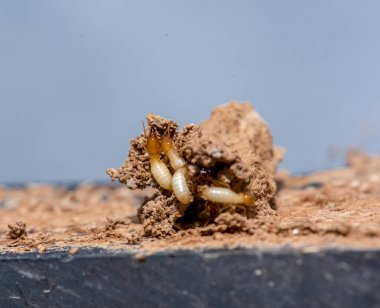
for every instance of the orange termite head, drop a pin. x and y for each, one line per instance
(248, 200)
(153, 144)
(167, 144)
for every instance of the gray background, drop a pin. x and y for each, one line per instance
(77, 77)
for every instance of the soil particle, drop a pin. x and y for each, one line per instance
(42, 248)
(17, 231)
(158, 216)
(139, 257)
(229, 223)
(112, 223)
(73, 250)
(360, 160)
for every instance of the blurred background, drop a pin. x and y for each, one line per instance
(77, 77)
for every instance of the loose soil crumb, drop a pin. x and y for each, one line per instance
(333, 208)
(17, 231)
(112, 223)
(73, 250)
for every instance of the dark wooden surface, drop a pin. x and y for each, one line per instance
(213, 278)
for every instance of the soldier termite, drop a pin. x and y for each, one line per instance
(179, 184)
(158, 168)
(176, 161)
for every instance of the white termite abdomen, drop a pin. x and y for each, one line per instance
(180, 188)
(176, 161)
(224, 195)
(161, 173)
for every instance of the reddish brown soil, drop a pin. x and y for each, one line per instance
(334, 208)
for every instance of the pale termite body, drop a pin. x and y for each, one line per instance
(180, 187)
(225, 195)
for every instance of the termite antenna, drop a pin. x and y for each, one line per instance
(167, 131)
(144, 128)
(153, 130)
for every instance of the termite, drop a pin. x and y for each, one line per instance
(179, 184)
(180, 188)
(176, 161)
(158, 168)
(225, 195)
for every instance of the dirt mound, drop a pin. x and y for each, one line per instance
(232, 149)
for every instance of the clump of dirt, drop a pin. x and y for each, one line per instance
(17, 231)
(362, 161)
(232, 149)
(112, 223)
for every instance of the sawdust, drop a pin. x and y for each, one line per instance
(232, 149)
